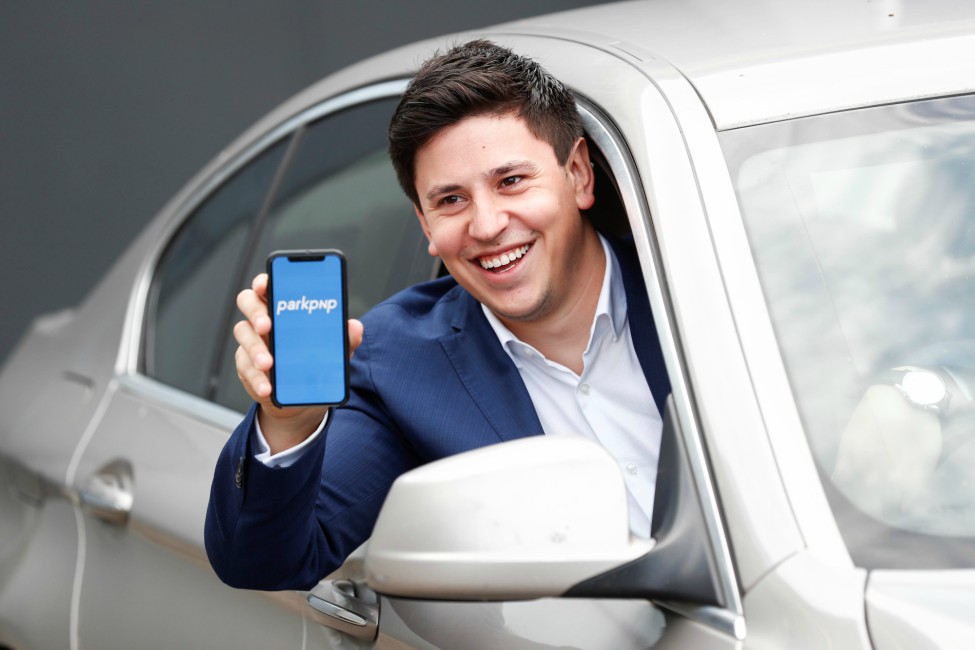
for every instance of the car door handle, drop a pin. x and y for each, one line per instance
(108, 495)
(349, 607)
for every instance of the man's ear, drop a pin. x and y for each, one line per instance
(431, 248)
(583, 177)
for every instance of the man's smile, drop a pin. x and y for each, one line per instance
(504, 261)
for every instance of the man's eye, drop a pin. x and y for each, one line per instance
(510, 180)
(450, 200)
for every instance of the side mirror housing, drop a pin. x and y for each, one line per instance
(540, 517)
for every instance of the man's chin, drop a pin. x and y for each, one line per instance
(524, 313)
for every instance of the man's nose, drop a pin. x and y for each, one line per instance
(489, 219)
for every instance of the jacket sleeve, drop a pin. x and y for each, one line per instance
(275, 528)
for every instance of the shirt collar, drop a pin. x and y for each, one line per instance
(611, 305)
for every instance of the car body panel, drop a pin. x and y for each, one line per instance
(38, 537)
(584, 624)
(804, 603)
(920, 609)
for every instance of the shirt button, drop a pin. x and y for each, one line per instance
(631, 468)
(584, 389)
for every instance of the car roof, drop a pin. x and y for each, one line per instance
(756, 61)
(750, 61)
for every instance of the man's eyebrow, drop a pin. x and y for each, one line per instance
(440, 190)
(524, 166)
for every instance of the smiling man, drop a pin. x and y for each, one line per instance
(543, 327)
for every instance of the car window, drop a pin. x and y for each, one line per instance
(862, 229)
(195, 279)
(340, 191)
(331, 186)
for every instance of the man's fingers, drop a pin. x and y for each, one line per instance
(254, 380)
(259, 285)
(253, 358)
(254, 345)
(252, 303)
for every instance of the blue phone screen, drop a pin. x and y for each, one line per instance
(309, 330)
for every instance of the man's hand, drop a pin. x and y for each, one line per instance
(283, 428)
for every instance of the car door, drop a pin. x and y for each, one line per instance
(322, 179)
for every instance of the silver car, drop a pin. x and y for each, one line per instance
(799, 180)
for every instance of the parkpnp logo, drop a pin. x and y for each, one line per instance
(306, 304)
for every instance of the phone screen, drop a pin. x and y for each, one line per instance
(309, 339)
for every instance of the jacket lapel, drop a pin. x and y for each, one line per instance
(642, 329)
(488, 373)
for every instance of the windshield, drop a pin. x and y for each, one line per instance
(862, 225)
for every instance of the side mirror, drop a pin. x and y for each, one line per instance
(540, 517)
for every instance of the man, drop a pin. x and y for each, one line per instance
(541, 328)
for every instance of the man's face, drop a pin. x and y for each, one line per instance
(504, 216)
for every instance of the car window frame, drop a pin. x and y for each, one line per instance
(622, 170)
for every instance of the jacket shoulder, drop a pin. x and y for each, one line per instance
(431, 302)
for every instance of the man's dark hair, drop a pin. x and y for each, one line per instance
(479, 78)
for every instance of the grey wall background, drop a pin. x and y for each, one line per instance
(108, 108)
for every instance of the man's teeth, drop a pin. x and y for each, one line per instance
(504, 259)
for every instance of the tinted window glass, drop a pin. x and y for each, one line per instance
(340, 191)
(194, 282)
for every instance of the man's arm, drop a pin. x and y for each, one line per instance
(286, 528)
(251, 505)
(247, 501)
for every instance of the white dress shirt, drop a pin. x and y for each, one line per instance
(609, 403)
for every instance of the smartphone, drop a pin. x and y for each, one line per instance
(309, 339)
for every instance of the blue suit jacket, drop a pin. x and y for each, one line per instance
(430, 379)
